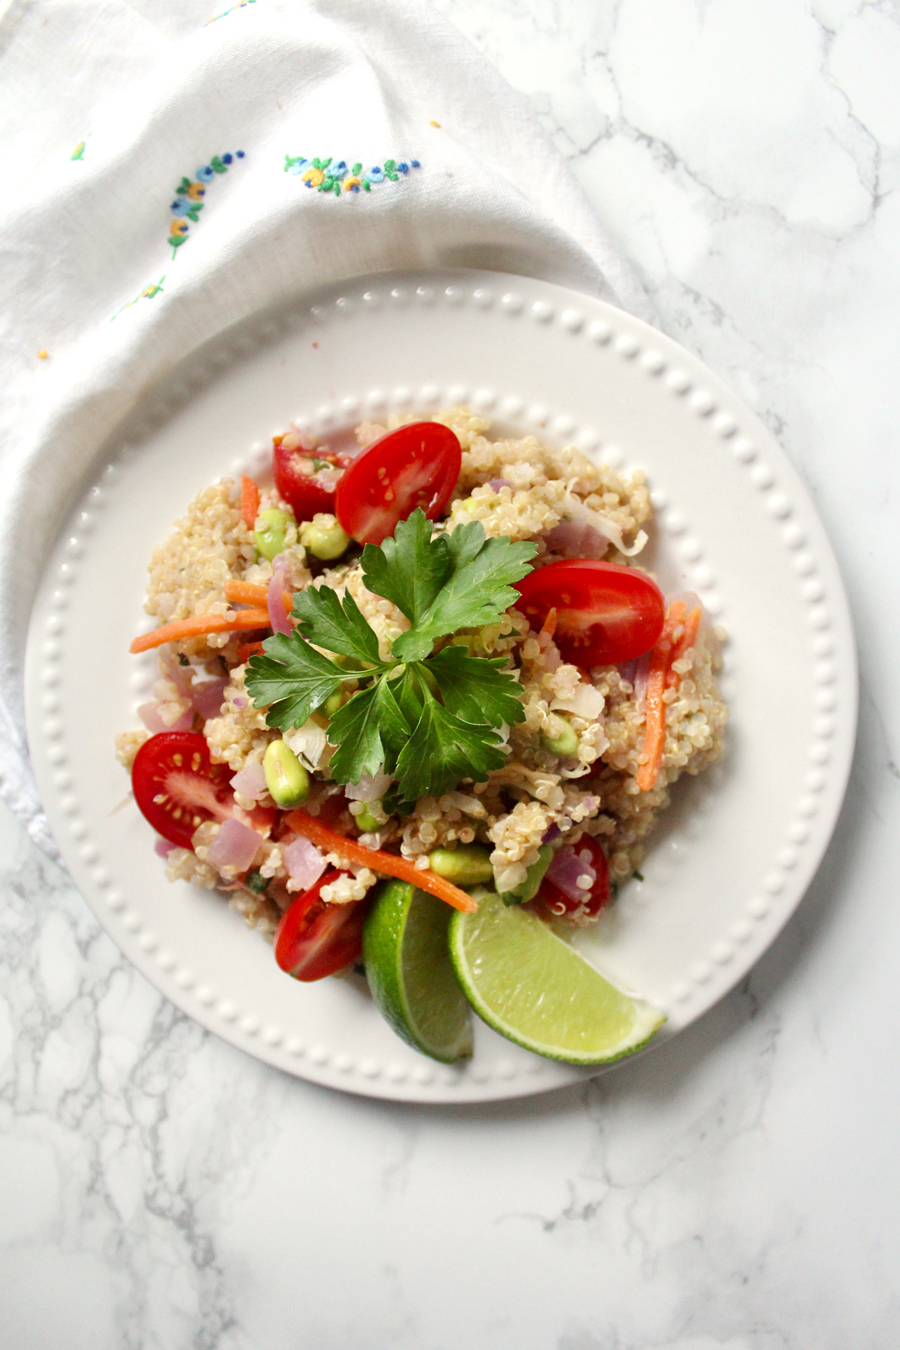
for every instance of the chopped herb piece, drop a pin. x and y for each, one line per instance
(337, 625)
(443, 749)
(293, 678)
(478, 688)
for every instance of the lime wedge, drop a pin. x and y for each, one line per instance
(410, 974)
(533, 988)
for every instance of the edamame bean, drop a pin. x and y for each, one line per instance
(324, 538)
(271, 527)
(528, 889)
(367, 821)
(564, 742)
(467, 865)
(286, 778)
(331, 705)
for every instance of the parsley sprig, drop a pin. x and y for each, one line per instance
(428, 718)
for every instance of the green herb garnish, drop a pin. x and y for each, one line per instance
(428, 718)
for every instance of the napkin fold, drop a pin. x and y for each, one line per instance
(242, 156)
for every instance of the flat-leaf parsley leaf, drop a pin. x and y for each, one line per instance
(428, 719)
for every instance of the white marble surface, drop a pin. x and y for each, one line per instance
(736, 1190)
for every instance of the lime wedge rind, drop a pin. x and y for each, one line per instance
(410, 975)
(534, 989)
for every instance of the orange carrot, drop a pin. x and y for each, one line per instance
(248, 649)
(199, 625)
(249, 501)
(654, 707)
(249, 593)
(379, 861)
(549, 624)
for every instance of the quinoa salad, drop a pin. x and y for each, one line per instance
(434, 656)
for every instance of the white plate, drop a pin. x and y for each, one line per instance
(736, 852)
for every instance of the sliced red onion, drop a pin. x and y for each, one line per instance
(304, 862)
(278, 615)
(553, 833)
(498, 483)
(241, 702)
(208, 697)
(587, 534)
(308, 743)
(567, 869)
(641, 675)
(586, 702)
(627, 670)
(235, 845)
(170, 668)
(149, 715)
(163, 847)
(370, 788)
(251, 781)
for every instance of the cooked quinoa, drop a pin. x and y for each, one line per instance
(517, 488)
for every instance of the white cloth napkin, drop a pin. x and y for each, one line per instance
(170, 169)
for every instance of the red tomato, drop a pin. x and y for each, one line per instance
(416, 465)
(177, 786)
(605, 613)
(306, 479)
(314, 939)
(558, 903)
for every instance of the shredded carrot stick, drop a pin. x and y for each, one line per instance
(379, 861)
(249, 593)
(249, 501)
(654, 707)
(248, 649)
(549, 624)
(200, 625)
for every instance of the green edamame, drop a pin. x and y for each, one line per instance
(528, 889)
(323, 539)
(467, 865)
(367, 821)
(564, 742)
(286, 778)
(270, 531)
(332, 704)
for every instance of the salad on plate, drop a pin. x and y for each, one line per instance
(418, 708)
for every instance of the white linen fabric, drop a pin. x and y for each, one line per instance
(165, 174)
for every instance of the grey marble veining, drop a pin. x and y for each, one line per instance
(735, 1190)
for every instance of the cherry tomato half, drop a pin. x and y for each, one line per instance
(306, 479)
(552, 899)
(605, 613)
(315, 939)
(416, 465)
(177, 786)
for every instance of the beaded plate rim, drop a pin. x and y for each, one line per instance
(685, 380)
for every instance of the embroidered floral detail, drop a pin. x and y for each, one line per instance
(189, 196)
(146, 294)
(328, 176)
(225, 12)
